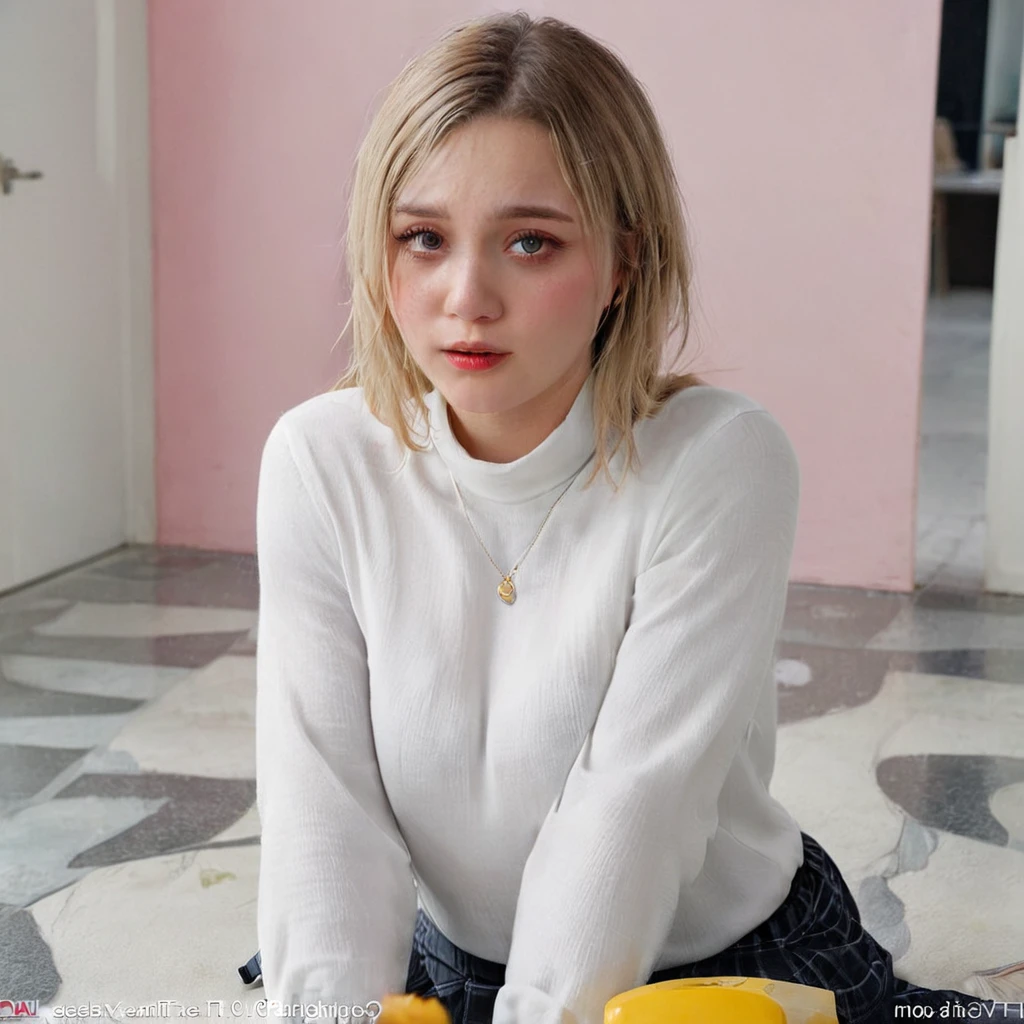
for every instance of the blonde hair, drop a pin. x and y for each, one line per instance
(610, 150)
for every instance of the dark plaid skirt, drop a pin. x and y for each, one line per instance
(814, 938)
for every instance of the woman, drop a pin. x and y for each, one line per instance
(516, 724)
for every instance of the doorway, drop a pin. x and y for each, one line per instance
(976, 113)
(76, 376)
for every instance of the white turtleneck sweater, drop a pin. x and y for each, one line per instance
(575, 785)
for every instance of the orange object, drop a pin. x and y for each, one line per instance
(412, 1009)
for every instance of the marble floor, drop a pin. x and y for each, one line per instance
(129, 841)
(954, 440)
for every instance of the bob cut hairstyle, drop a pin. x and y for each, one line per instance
(610, 150)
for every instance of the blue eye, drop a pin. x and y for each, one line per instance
(537, 254)
(530, 238)
(414, 233)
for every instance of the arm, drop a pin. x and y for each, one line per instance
(337, 903)
(600, 889)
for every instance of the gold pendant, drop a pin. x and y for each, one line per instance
(507, 590)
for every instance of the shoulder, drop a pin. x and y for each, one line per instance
(323, 416)
(729, 475)
(329, 433)
(707, 424)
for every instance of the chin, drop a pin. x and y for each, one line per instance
(474, 395)
(461, 400)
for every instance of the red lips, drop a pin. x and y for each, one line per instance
(475, 346)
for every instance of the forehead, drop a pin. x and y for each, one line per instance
(487, 165)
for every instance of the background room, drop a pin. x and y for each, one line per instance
(171, 281)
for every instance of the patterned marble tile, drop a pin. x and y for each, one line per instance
(954, 440)
(42, 840)
(814, 681)
(15, 619)
(952, 792)
(92, 619)
(71, 732)
(922, 627)
(965, 568)
(147, 563)
(104, 761)
(246, 645)
(214, 587)
(25, 771)
(221, 580)
(203, 726)
(943, 599)
(835, 617)
(880, 907)
(962, 911)
(245, 830)
(99, 678)
(826, 776)
(877, 749)
(194, 810)
(1007, 807)
(173, 927)
(833, 678)
(951, 553)
(886, 913)
(186, 651)
(149, 575)
(17, 700)
(26, 961)
(953, 469)
(984, 663)
(231, 582)
(946, 715)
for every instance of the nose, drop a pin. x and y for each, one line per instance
(473, 292)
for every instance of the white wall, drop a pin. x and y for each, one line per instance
(1004, 556)
(135, 279)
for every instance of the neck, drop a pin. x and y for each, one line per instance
(506, 436)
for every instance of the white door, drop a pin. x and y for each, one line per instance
(75, 374)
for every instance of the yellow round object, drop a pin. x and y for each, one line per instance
(710, 1005)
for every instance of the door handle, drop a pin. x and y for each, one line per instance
(9, 173)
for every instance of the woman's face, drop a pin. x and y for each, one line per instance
(468, 264)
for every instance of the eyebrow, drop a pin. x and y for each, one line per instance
(513, 212)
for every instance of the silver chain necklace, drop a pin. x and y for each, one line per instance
(506, 588)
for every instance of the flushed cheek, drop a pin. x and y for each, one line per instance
(413, 300)
(562, 298)
(549, 300)
(403, 296)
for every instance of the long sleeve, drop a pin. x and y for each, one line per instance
(601, 886)
(337, 902)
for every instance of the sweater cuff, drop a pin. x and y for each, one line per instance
(524, 1004)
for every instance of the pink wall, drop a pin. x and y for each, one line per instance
(802, 137)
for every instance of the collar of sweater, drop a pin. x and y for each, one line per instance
(567, 448)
